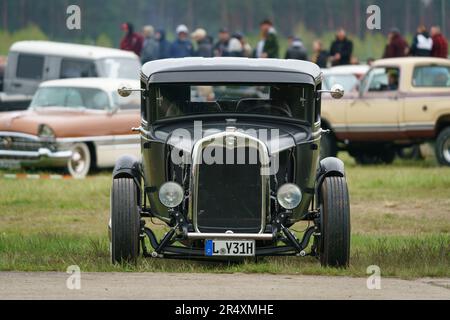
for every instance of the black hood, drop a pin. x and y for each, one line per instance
(287, 136)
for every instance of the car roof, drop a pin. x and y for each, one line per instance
(230, 63)
(106, 84)
(410, 61)
(69, 50)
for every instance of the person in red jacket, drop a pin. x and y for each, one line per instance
(132, 41)
(440, 44)
(397, 46)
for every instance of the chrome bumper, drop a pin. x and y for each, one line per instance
(43, 156)
(230, 236)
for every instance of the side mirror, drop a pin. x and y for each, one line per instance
(125, 91)
(336, 92)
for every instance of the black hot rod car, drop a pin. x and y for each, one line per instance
(230, 161)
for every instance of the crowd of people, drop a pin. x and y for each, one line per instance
(152, 44)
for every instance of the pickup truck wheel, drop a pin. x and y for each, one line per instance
(80, 162)
(125, 221)
(328, 146)
(443, 147)
(334, 243)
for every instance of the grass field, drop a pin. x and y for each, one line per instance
(400, 222)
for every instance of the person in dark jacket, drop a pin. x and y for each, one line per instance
(221, 47)
(132, 41)
(182, 47)
(396, 46)
(296, 50)
(204, 43)
(320, 56)
(268, 45)
(422, 43)
(150, 48)
(440, 44)
(164, 44)
(341, 49)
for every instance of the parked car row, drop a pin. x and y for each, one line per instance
(29, 63)
(82, 123)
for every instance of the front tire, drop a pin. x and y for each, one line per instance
(334, 247)
(125, 221)
(443, 147)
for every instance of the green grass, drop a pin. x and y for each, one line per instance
(400, 222)
(406, 257)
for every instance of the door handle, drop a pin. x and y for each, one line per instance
(17, 85)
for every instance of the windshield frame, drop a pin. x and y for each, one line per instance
(153, 108)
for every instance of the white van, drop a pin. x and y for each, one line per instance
(32, 62)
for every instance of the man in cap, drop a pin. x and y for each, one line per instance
(182, 47)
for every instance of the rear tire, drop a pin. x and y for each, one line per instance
(334, 247)
(125, 221)
(443, 147)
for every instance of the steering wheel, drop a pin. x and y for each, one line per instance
(283, 110)
(209, 106)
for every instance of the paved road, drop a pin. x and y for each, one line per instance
(16, 285)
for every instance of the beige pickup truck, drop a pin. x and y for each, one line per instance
(401, 102)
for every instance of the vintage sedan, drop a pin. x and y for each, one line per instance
(401, 102)
(230, 161)
(77, 124)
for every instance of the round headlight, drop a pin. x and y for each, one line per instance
(289, 196)
(171, 194)
(45, 131)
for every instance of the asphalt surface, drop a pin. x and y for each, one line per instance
(48, 285)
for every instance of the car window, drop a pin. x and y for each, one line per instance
(282, 100)
(89, 98)
(382, 79)
(431, 76)
(30, 67)
(77, 69)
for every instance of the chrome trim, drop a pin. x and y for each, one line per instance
(231, 236)
(19, 135)
(217, 140)
(99, 138)
(42, 153)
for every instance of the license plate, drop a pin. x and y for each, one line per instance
(229, 248)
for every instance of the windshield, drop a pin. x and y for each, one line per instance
(71, 98)
(348, 81)
(284, 100)
(123, 68)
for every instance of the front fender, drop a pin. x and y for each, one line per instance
(128, 167)
(329, 167)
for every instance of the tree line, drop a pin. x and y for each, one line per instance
(102, 19)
